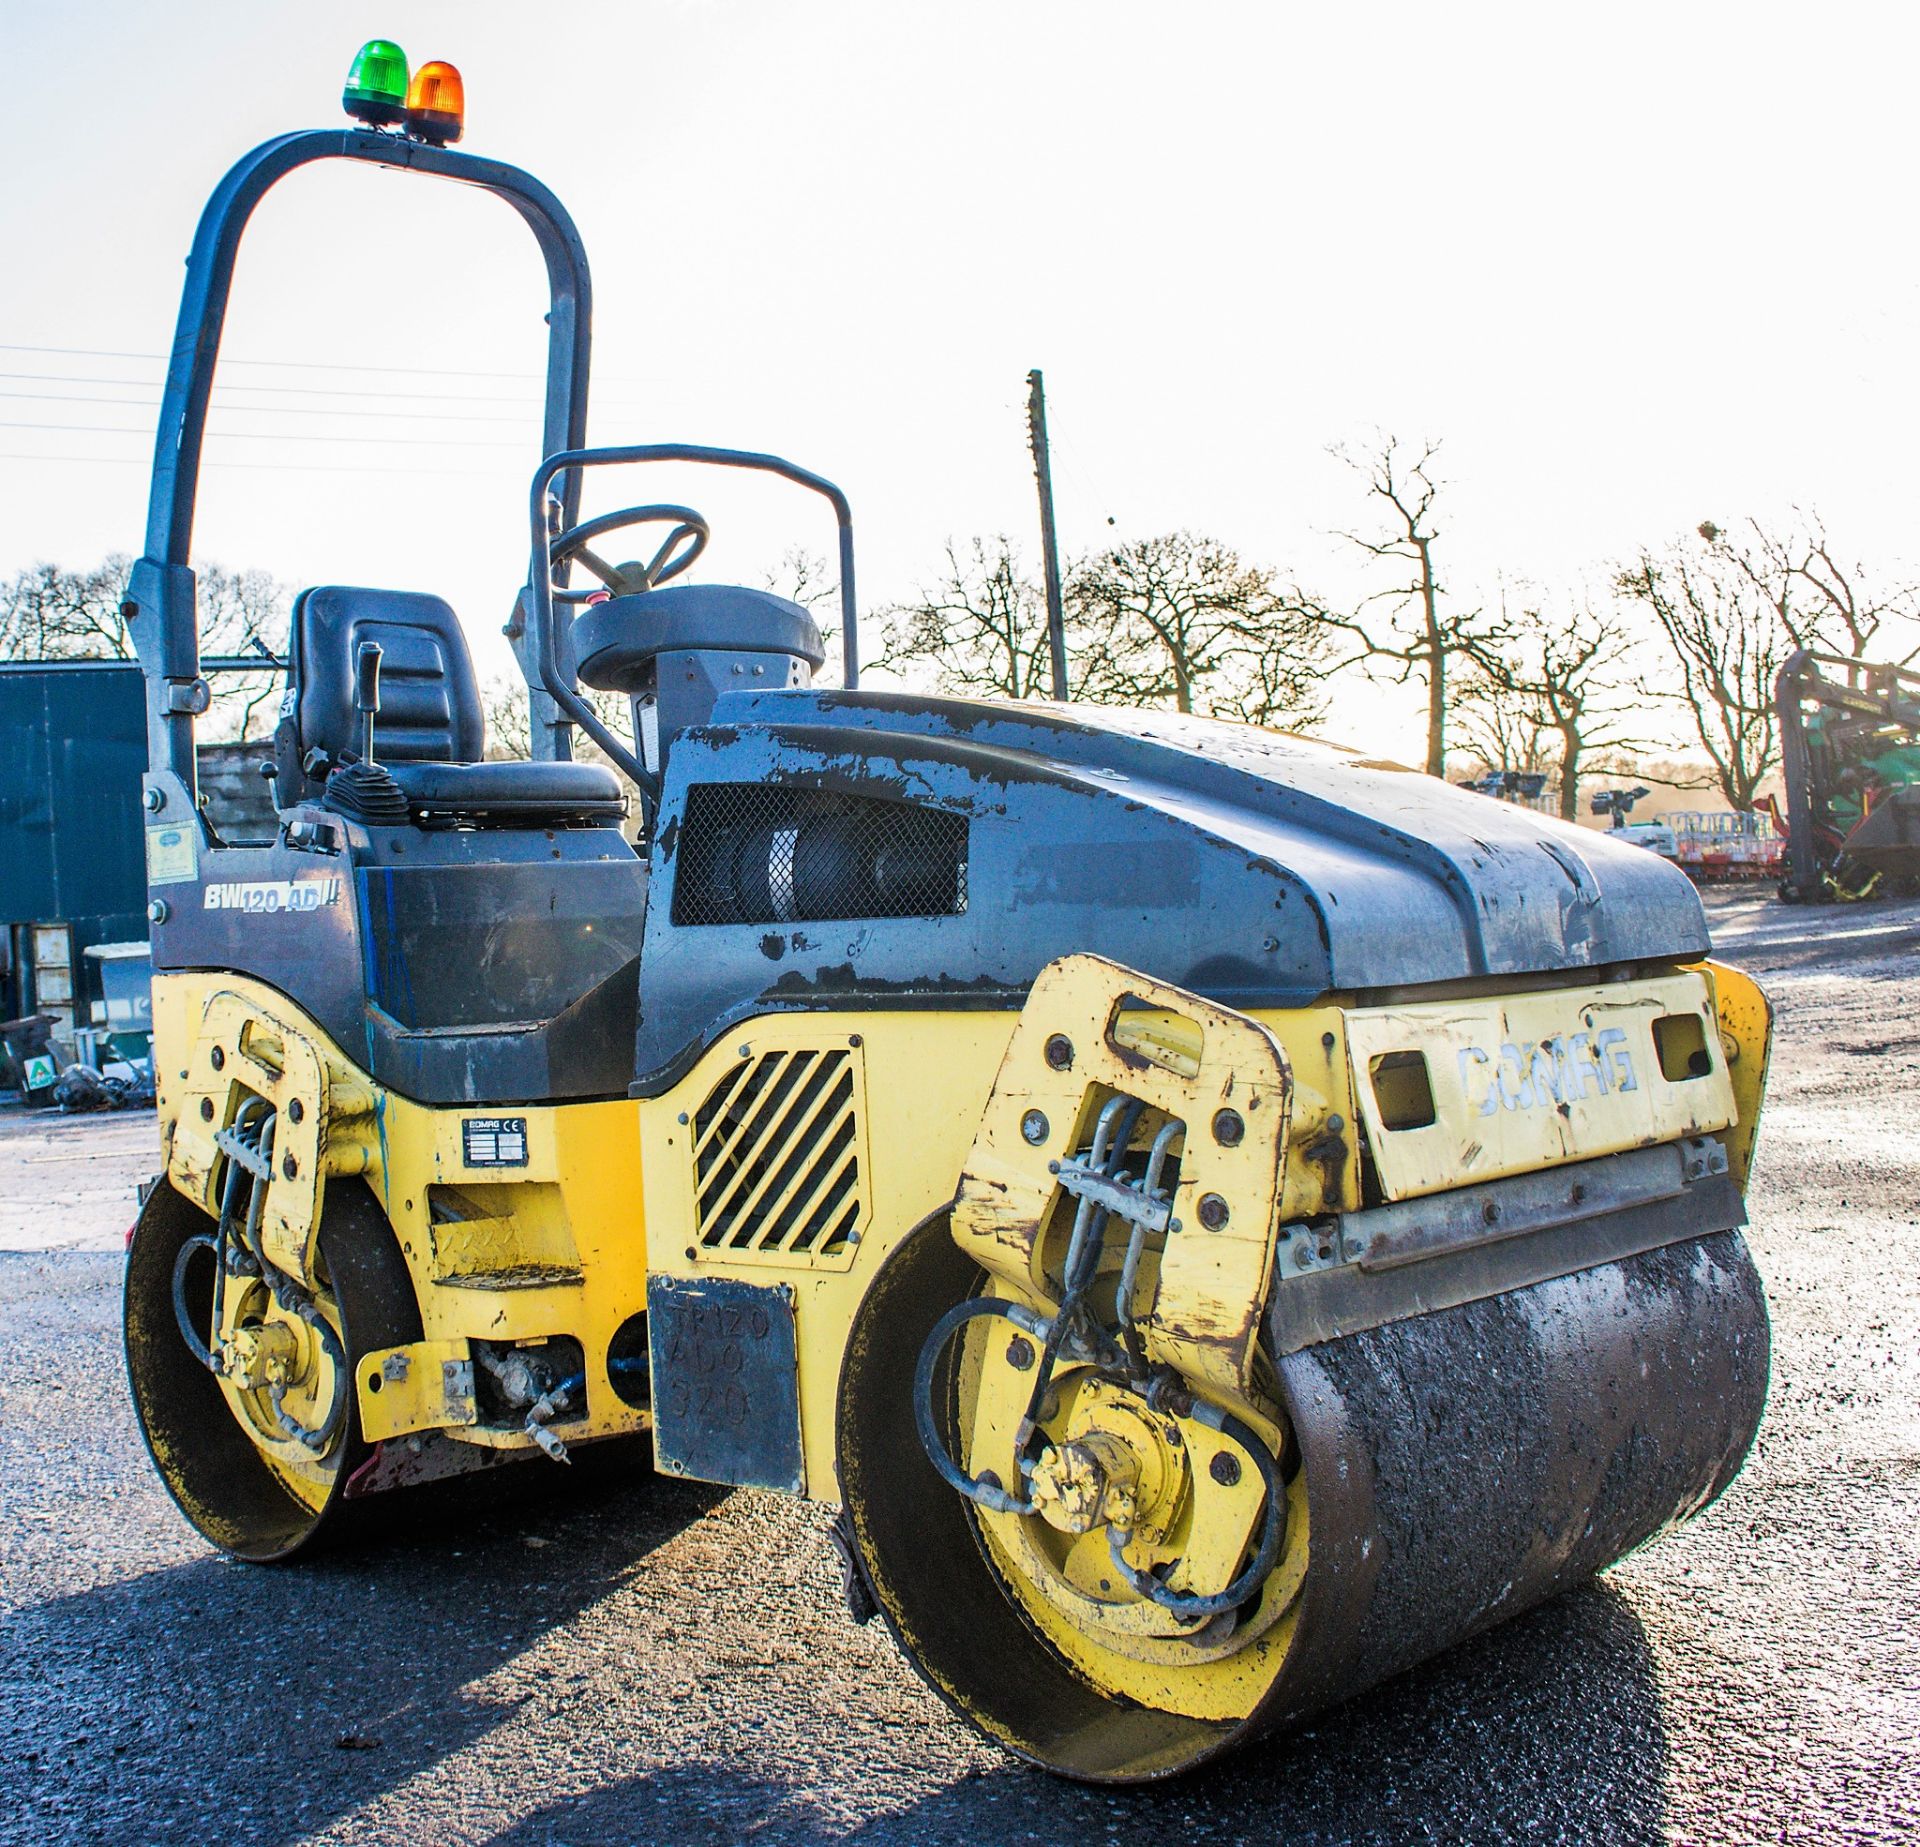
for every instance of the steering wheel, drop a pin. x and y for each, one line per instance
(678, 549)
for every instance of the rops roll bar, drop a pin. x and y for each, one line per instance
(160, 611)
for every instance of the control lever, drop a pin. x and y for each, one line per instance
(366, 691)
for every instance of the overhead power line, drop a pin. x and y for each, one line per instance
(262, 436)
(527, 418)
(304, 365)
(384, 392)
(297, 365)
(272, 468)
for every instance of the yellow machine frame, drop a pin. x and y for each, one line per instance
(608, 1195)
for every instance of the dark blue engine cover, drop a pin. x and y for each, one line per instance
(1257, 869)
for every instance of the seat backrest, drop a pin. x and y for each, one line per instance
(429, 697)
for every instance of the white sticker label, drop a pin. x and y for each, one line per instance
(171, 855)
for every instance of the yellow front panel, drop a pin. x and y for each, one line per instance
(554, 1244)
(920, 1081)
(1529, 1080)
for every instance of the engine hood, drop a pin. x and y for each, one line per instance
(1260, 869)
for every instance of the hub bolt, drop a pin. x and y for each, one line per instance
(1213, 1211)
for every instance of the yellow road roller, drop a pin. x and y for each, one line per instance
(1221, 1217)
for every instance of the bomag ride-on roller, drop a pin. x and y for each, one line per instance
(1224, 1218)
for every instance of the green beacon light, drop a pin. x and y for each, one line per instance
(376, 90)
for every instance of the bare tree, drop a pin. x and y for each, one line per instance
(1182, 620)
(1728, 643)
(48, 613)
(504, 708)
(1549, 690)
(51, 614)
(806, 578)
(1500, 722)
(979, 628)
(1280, 677)
(243, 613)
(1822, 599)
(1424, 633)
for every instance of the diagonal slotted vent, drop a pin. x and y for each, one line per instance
(774, 853)
(776, 1153)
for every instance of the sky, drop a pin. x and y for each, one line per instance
(1634, 266)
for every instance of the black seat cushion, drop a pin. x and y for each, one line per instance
(510, 791)
(615, 642)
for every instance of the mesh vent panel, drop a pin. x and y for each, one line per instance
(776, 1156)
(758, 853)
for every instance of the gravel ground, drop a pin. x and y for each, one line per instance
(624, 1659)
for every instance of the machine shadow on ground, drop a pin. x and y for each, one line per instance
(1558, 1713)
(313, 1689)
(379, 1643)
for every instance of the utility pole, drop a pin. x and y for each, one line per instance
(1049, 544)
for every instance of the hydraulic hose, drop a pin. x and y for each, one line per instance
(317, 1440)
(976, 1488)
(1273, 1534)
(195, 1345)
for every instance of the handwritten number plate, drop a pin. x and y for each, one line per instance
(725, 1379)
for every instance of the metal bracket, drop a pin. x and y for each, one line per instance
(243, 1154)
(185, 698)
(1114, 1193)
(424, 1385)
(1421, 1255)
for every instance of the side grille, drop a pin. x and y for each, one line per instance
(776, 1155)
(771, 853)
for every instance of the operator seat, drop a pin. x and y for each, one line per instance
(430, 733)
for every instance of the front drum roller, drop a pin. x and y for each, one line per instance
(1444, 1472)
(228, 1451)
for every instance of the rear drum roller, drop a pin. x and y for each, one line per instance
(1440, 1474)
(255, 1433)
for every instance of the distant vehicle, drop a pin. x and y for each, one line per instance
(1510, 785)
(1727, 843)
(1655, 836)
(1850, 758)
(1618, 803)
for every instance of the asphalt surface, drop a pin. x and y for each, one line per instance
(630, 1659)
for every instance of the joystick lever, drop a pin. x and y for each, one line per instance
(366, 691)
